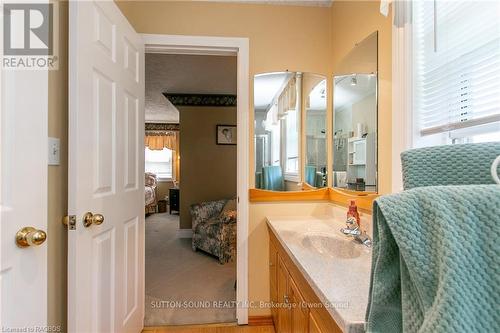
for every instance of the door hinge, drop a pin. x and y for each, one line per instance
(70, 222)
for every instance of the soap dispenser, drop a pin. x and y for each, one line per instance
(353, 212)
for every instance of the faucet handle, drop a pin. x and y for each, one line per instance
(351, 221)
(350, 232)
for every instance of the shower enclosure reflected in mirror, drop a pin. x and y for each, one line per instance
(355, 119)
(316, 153)
(279, 101)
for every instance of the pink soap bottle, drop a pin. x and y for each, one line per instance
(353, 212)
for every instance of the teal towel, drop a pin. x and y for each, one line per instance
(272, 178)
(436, 261)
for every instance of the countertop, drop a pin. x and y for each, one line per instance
(341, 280)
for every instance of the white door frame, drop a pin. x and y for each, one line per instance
(180, 44)
(402, 88)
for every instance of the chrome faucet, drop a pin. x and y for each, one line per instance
(353, 230)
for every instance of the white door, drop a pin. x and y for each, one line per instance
(23, 198)
(106, 171)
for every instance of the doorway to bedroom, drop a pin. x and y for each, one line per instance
(190, 188)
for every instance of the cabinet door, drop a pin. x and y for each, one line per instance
(313, 325)
(283, 299)
(299, 312)
(273, 264)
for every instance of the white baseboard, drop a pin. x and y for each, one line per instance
(184, 233)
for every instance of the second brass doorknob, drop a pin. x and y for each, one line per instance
(29, 236)
(89, 219)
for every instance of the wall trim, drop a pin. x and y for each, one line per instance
(206, 45)
(218, 100)
(184, 233)
(260, 321)
(402, 87)
(166, 127)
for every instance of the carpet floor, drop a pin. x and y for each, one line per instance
(182, 286)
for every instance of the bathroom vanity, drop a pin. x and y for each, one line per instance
(319, 278)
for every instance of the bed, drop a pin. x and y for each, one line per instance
(150, 199)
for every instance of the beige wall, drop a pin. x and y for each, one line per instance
(308, 39)
(58, 182)
(353, 21)
(208, 170)
(162, 189)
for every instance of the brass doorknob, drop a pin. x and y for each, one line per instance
(29, 236)
(89, 219)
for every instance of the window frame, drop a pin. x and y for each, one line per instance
(405, 133)
(160, 178)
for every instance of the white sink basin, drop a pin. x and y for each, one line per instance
(329, 245)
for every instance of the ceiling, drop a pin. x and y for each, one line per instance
(311, 3)
(346, 94)
(268, 85)
(195, 74)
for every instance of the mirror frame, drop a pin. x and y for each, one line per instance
(329, 194)
(301, 185)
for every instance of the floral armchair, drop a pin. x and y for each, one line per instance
(214, 228)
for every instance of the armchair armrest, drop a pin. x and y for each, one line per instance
(205, 210)
(228, 217)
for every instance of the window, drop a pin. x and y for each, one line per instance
(292, 143)
(159, 162)
(456, 71)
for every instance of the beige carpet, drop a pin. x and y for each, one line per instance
(182, 285)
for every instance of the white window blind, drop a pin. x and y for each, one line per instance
(456, 64)
(159, 162)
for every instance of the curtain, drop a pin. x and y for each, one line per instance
(158, 141)
(288, 98)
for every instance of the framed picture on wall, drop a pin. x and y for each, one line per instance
(226, 135)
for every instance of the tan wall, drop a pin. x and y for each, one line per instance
(58, 182)
(294, 38)
(208, 170)
(162, 189)
(352, 21)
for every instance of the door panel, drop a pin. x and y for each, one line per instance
(283, 299)
(273, 264)
(23, 196)
(313, 325)
(299, 312)
(106, 170)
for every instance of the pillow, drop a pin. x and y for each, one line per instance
(149, 179)
(230, 205)
(227, 216)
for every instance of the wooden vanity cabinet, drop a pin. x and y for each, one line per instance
(313, 325)
(298, 310)
(284, 324)
(273, 270)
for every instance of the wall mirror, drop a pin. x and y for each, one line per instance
(315, 131)
(355, 111)
(290, 116)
